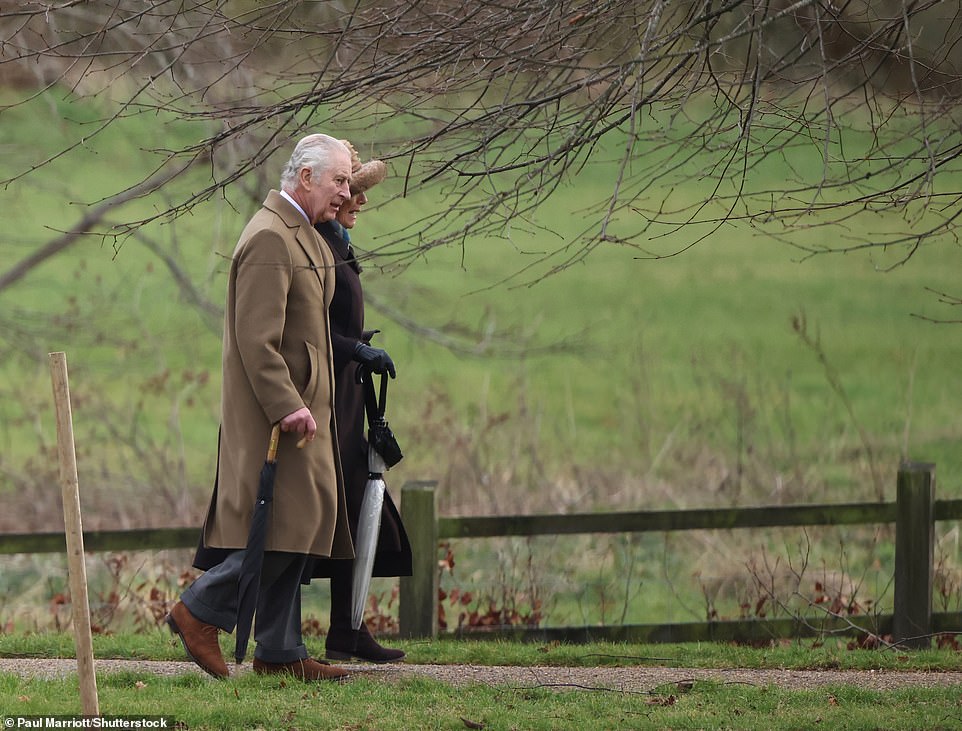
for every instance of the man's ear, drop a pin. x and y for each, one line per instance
(304, 177)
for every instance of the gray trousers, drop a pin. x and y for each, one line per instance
(212, 599)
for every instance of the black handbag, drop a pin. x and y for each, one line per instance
(379, 434)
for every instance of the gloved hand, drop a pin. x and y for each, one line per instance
(377, 360)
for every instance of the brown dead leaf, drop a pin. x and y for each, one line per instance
(662, 700)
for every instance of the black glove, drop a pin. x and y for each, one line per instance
(377, 360)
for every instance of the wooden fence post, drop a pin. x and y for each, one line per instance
(418, 600)
(914, 548)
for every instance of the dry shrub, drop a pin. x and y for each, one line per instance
(126, 591)
(511, 596)
(787, 582)
(947, 577)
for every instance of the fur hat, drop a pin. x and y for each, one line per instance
(364, 176)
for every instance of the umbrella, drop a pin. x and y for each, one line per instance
(383, 453)
(250, 577)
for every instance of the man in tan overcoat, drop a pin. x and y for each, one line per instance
(277, 368)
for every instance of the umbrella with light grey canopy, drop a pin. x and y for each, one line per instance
(383, 453)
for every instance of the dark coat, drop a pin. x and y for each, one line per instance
(393, 555)
(278, 358)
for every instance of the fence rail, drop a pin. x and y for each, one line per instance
(914, 514)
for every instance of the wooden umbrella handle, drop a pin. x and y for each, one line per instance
(272, 445)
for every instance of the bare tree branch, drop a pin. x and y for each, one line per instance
(86, 225)
(212, 314)
(712, 111)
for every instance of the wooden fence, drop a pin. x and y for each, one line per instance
(914, 513)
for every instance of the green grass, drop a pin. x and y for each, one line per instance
(824, 654)
(666, 361)
(254, 702)
(681, 382)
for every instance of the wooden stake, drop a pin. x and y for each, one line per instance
(76, 568)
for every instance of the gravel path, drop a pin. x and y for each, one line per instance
(627, 679)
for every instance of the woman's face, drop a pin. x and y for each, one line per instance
(347, 213)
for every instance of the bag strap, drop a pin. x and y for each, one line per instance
(382, 401)
(375, 411)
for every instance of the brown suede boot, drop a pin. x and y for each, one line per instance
(199, 640)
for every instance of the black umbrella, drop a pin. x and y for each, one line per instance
(250, 578)
(383, 453)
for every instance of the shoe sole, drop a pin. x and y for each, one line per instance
(176, 631)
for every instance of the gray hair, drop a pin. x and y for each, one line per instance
(314, 152)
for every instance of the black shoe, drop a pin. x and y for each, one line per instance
(345, 644)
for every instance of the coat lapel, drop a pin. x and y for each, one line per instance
(322, 261)
(320, 258)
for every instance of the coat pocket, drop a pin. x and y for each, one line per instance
(314, 366)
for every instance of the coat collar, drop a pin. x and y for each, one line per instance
(331, 232)
(276, 203)
(308, 239)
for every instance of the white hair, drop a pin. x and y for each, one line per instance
(314, 152)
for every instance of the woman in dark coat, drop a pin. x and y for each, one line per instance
(351, 348)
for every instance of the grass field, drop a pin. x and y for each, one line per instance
(253, 702)
(369, 702)
(619, 383)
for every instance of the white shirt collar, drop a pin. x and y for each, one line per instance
(294, 203)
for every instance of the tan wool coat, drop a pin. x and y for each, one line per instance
(277, 359)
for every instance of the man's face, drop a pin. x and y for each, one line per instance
(323, 191)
